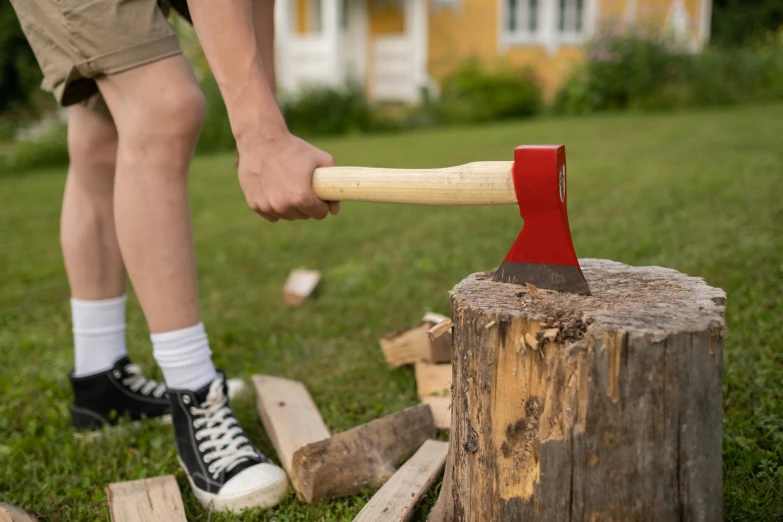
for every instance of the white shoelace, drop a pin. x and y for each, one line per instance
(222, 431)
(137, 382)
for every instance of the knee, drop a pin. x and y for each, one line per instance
(92, 149)
(170, 122)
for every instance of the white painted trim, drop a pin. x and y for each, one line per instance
(631, 12)
(330, 30)
(283, 27)
(548, 35)
(548, 26)
(591, 17)
(705, 22)
(416, 29)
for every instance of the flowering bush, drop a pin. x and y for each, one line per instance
(638, 70)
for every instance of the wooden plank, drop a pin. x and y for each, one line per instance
(395, 501)
(441, 410)
(433, 379)
(362, 457)
(146, 500)
(9, 513)
(289, 414)
(300, 284)
(406, 346)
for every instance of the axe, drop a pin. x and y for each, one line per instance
(543, 253)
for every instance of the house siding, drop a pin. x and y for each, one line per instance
(472, 31)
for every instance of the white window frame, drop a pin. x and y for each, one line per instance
(522, 35)
(548, 32)
(569, 15)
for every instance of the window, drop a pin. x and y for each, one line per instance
(570, 18)
(544, 22)
(522, 18)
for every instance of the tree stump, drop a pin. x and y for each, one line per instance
(586, 408)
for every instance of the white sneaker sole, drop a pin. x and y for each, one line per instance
(266, 497)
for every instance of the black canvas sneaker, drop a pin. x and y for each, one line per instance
(122, 390)
(225, 469)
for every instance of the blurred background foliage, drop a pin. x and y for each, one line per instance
(631, 70)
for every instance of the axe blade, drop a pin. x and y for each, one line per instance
(543, 253)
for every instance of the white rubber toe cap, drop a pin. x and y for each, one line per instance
(255, 478)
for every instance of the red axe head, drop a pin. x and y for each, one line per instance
(543, 254)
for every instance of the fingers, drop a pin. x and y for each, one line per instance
(334, 207)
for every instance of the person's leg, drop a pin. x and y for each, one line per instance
(159, 109)
(103, 379)
(92, 257)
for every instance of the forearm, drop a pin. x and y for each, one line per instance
(227, 35)
(264, 24)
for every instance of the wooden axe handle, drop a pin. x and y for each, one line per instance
(480, 183)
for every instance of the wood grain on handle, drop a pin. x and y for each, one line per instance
(480, 183)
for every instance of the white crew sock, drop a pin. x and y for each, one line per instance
(98, 334)
(184, 358)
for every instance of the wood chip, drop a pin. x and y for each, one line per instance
(439, 329)
(300, 284)
(532, 289)
(412, 345)
(9, 513)
(490, 324)
(530, 340)
(441, 410)
(146, 500)
(396, 500)
(432, 317)
(433, 379)
(550, 333)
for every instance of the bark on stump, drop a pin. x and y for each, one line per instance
(586, 408)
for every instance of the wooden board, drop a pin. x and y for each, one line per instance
(410, 345)
(300, 284)
(395, 501)
(9, 513)
(441, 410)
(289, 414)
(433, 379)
(362, 457)
(146, 500)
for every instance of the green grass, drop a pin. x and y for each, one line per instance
(701, 192)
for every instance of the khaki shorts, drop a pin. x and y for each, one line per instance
(76, 41)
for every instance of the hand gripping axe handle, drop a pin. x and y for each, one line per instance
(543, 253)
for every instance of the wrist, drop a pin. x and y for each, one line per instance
(260, 130)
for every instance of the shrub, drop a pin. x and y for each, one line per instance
(326, 110)
(216, 134)
(646, 72)
(49, 149)
(473, 94)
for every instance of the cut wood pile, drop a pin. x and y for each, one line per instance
(427, 346)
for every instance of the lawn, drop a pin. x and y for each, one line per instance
(701, 192)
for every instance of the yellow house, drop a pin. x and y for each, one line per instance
(397, 48)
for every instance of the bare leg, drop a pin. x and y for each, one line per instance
(89, 242)
(159, 110)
